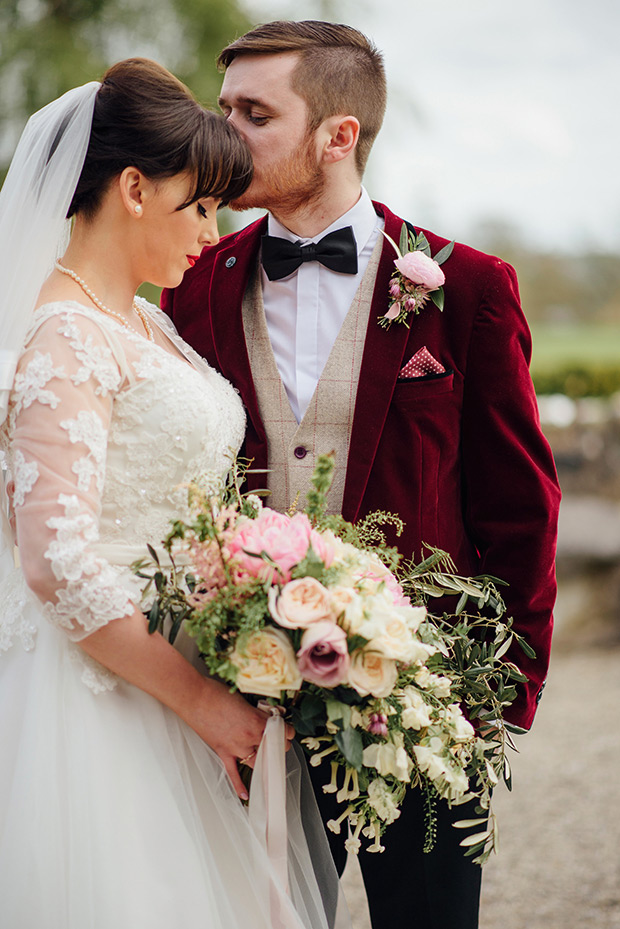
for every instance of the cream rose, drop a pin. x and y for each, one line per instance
(395, 639)
(266, 663)
(347, 608)
(300, 603)
(370, 673)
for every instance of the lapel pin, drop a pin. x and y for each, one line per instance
(231, 262)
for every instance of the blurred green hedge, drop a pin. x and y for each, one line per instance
(589, 380)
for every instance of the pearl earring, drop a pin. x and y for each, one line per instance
(138, 209)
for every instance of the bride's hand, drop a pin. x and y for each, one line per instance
(234, 729)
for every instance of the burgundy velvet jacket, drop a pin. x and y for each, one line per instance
(459, 456)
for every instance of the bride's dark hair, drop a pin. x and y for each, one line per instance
(145, 118)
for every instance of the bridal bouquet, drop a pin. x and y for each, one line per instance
(323, 618)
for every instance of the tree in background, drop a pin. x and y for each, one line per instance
(48, 46)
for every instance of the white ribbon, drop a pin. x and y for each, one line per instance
(267, 813)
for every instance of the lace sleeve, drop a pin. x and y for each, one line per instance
(61, 409)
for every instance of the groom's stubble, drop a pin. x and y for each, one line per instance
(293, 183)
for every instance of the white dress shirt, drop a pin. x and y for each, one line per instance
(305, 311)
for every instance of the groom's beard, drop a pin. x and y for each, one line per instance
(291, 184)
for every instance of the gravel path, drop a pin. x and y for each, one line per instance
(558, 865)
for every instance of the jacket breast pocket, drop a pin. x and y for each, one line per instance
(415, 389)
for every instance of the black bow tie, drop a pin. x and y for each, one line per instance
(337, 251)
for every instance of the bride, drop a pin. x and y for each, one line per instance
(119, 777)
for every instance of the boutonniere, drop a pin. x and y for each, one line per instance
(418, 277)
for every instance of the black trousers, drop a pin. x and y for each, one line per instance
(406, 888)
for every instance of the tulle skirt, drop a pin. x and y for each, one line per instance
(115, 815)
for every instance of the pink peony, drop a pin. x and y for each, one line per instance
(323, 657)
(419, 268)
(322, 547)
(284, 539)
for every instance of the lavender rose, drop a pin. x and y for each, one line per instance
(323, 657)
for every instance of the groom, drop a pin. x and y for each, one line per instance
(435, 420)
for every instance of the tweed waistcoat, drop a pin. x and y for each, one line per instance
(326, 426)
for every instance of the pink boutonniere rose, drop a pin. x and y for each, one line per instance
(418, 277)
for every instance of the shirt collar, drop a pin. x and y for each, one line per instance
(361, 217)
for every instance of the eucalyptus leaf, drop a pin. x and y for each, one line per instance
(479, 837)
(338, 712)
(504, 648)
(462, 603)
(349, 741)
(444, 253)
(527, 648)
(154, 617)
(404, 239)
(516, 730)
(437, 296)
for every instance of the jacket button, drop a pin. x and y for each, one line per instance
(231, 262)
(300, 452)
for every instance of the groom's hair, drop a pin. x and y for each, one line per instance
(340, 72)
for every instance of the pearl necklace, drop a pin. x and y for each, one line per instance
(137, 309)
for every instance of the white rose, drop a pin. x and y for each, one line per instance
(300, 603)
(416, 712)
(395, 639)
(440, 685)
(266, 663)
(430, 759)
(423, 678)
(461, 728)
(381, 799)
(370, 673)
(347, 608)
(457, 781)
(415, 616)
(388, 758)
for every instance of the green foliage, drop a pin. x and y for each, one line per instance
(49, 46)
(579, 380)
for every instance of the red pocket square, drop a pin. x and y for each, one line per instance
(422, 363)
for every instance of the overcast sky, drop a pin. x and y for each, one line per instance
(498, 110)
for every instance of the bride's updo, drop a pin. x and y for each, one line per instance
(145, 118)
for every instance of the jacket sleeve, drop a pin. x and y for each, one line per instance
(511, 493)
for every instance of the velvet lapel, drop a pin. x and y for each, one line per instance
(381, 362)
(228, 283)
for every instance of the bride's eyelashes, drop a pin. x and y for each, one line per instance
(201, 210)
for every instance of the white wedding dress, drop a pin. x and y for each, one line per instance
(113, 813)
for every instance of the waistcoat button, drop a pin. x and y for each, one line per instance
(300, 452)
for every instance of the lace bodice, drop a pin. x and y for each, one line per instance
(105, 430)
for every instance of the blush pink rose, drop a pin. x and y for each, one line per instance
(323, 657)
(300, 603)
(421, 269)
(285, 539)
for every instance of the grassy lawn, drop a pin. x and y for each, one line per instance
(558, 346)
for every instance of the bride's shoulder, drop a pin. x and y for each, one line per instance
(60, 312)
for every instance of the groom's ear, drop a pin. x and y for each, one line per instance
(342, 133)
